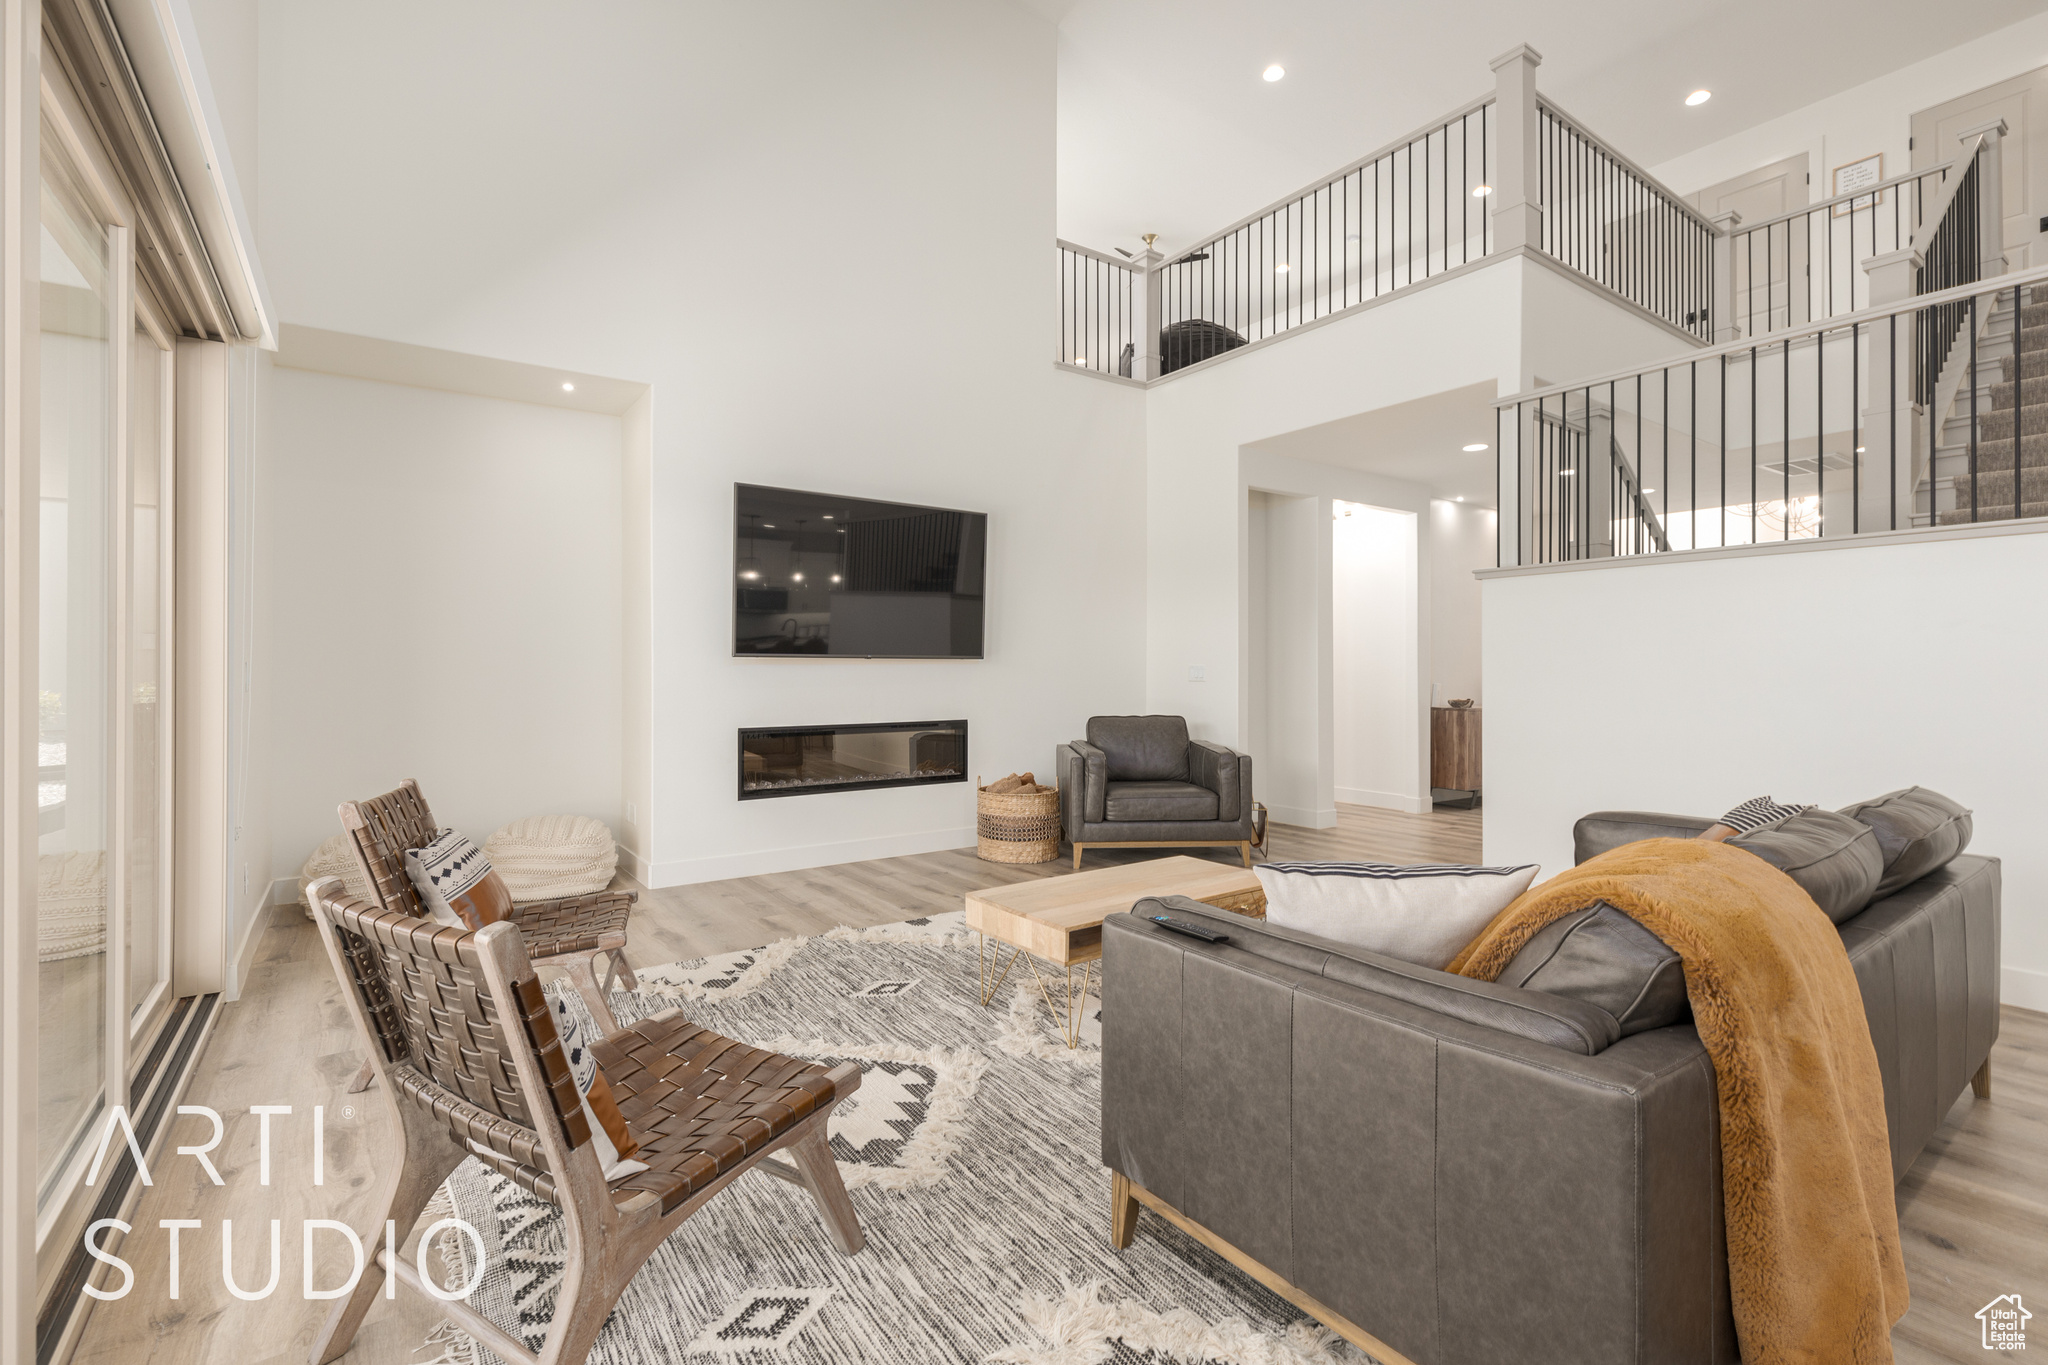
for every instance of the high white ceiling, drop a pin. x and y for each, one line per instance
(1165, 125)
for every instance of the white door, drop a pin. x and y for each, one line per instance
(1772, 253)
(2023, 103)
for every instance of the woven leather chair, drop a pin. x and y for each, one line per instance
(458, 1028)
(572, 933)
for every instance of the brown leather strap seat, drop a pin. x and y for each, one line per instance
(574, 924)
(701, 1103)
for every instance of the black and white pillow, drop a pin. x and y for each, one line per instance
(1423, 913)
(1760, 812)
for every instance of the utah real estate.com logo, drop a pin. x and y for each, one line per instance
(2005, 1323)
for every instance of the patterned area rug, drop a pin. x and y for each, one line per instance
(971, 1155)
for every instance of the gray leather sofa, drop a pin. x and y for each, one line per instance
(1141, 782)
(1469, 1172)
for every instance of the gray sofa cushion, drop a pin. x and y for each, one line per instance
(1555, 1021)
(1835, 859)
(1605, 829)
(1142, 748)
(1917, 832)
(1601, 956)
(1159, 801)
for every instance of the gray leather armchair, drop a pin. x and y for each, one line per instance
(1454, 1172)
(1139, 781)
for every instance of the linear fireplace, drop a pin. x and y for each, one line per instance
(797, 760)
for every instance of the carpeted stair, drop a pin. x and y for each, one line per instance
(1974, 481)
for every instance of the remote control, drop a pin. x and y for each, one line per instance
(1200, 931)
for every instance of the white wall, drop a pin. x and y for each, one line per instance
(445, 604)
(828, 277)
(1868, 118)
(1504, 323)
(1376, 637)
(1461, 540)
(1288, 598)
(1829, 675)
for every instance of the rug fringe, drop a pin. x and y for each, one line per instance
(1078, 1327)
(457, 1346)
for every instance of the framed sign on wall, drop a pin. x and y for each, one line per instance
(1858, 177)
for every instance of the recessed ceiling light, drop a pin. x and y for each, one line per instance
(797, 577)
(1459, 498)
(1481, 191)
(835, 578)
(567, 387)
(1282, 268)
(1649, 490)
(1476, 445)
(1699, 97)
(1274, 72)
(828, 516)
(767, 525)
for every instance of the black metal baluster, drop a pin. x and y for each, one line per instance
(1973, 411)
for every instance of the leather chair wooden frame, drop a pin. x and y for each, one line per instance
(462, 1035)
(574, 933)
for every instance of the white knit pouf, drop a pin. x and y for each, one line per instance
(546, 856)
(335, 858)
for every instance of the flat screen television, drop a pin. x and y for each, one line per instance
(822, 576)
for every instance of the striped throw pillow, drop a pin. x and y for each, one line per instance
(1422, 913)
(1759, 812)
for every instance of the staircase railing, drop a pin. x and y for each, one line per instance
(1614, 223)
(1587, 501)
(1411, 210)
(1101, 309)
(1814, 432)
(1951, 255)
(1807, 264)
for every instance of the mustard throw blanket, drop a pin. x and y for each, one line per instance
(1814, 1268)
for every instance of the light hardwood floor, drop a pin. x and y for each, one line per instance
(1972, 1210)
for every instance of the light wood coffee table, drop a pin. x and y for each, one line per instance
(1060, 919)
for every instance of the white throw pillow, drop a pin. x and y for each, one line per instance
(1422, 914)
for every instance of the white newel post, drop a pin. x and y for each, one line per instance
(1894, 432)
(1517, 203)
(1721, 318)
(1145, 345)
(1990, 196)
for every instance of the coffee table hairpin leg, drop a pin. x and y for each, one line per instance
(1069, 1019)
(991, 980)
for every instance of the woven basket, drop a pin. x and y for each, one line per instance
(1017, 827)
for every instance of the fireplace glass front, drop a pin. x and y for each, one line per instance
(799, 760)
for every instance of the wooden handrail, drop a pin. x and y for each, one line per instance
(1930, 223)
(1841, 322)
(1877, 189)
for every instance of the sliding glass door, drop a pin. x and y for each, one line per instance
(103, 640)
(73, 654)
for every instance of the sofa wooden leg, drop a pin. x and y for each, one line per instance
(1123, 1211)
(1981, 1082)
(1246, 850)
(364, 1079)
(1077, 857)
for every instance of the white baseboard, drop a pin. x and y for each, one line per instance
(283, 891)
(1360, 796)
(690, 871)
(633, 865)
(2025, 988)
(245, 951)
(1301, 816)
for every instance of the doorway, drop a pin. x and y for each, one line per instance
(2023, 103)
(1375, 649)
